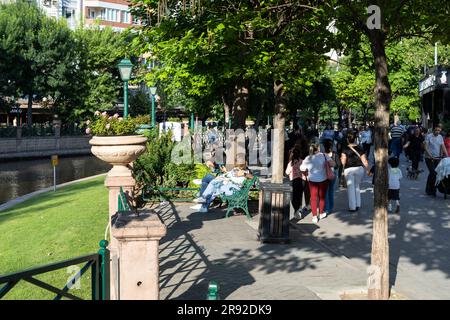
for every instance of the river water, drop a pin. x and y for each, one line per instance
(20, 177)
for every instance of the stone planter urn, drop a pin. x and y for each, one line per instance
(119, 151)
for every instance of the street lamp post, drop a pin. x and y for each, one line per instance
(125, 67)
(153, 93)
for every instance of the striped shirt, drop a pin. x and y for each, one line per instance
(397, 132)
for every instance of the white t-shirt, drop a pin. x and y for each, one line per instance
(315, 165)
(434, 144)
(395, 174)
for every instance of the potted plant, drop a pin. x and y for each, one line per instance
(115, 141)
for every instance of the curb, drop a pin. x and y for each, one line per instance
(25, 197)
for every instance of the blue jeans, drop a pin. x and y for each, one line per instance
(329, 196)
(396, 147)
(205, 181)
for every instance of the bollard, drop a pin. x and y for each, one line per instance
(213, 289)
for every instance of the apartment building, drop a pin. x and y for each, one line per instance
(113, 13)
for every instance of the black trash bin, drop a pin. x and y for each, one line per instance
(274, 209)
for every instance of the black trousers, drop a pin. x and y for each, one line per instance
(414, 156)
(431, 181)
(297, 193)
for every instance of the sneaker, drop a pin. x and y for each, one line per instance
(304, 211)
(322, 215)
(315, 220)
(298, 214)
(199, 200)
(202, 209)
(397, 210)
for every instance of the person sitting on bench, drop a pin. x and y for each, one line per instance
(225, 184)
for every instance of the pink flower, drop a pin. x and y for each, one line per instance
(110, 118)
(120, 119)
(116, 116)
(104, 114)
(108, 125)
(97, 113)
(88, 131)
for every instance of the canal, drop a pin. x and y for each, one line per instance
(20, 177)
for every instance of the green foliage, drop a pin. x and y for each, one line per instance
(140, 103)
(156, 168)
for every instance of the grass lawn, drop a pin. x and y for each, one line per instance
(51, 227)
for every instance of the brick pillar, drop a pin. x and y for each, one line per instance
(137, 237)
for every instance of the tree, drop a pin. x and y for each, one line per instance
(389, 21)
(39, 56)
(223, 48)
(100, 52)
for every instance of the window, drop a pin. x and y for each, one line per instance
(125, 17)
(103, 14)
(91, 14)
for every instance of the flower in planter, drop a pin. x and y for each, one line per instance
(104, 125)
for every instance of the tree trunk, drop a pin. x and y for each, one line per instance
(30, 109)
(279, 120)
(239, 114)
(379, 278)
(226, 111)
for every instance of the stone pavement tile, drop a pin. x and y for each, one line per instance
(419, 238)
(202, 247)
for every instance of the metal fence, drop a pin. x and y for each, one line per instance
(97, 262)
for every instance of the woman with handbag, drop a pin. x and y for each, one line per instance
(354, 161)
(316, 166)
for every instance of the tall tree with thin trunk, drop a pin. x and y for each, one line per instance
(382, 22)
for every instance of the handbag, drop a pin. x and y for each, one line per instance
(330, 173)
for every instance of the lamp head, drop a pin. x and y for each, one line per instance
(125, 66)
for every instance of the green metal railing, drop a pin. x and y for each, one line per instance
(122, 201)
(166, 193)
(97, 262)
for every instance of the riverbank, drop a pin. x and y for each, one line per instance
(20, 178)
(50, 227)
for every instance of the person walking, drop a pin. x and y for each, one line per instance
(415, 148)
(365, 138)
(354, 161)
(434, 149)
(295, 175)
(395, 175)
(329, 196)
(397, 132)
(314, 168)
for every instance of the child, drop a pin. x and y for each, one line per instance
(395, 174)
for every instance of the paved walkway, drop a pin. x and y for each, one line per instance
(322, 262)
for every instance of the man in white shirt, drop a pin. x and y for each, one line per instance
(434, 150)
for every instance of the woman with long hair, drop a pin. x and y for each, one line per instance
(295, 175)
(354, 161)
(314, 168)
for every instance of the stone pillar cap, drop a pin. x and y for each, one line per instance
(146, 225)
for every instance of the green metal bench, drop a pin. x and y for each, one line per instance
(239, 198)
